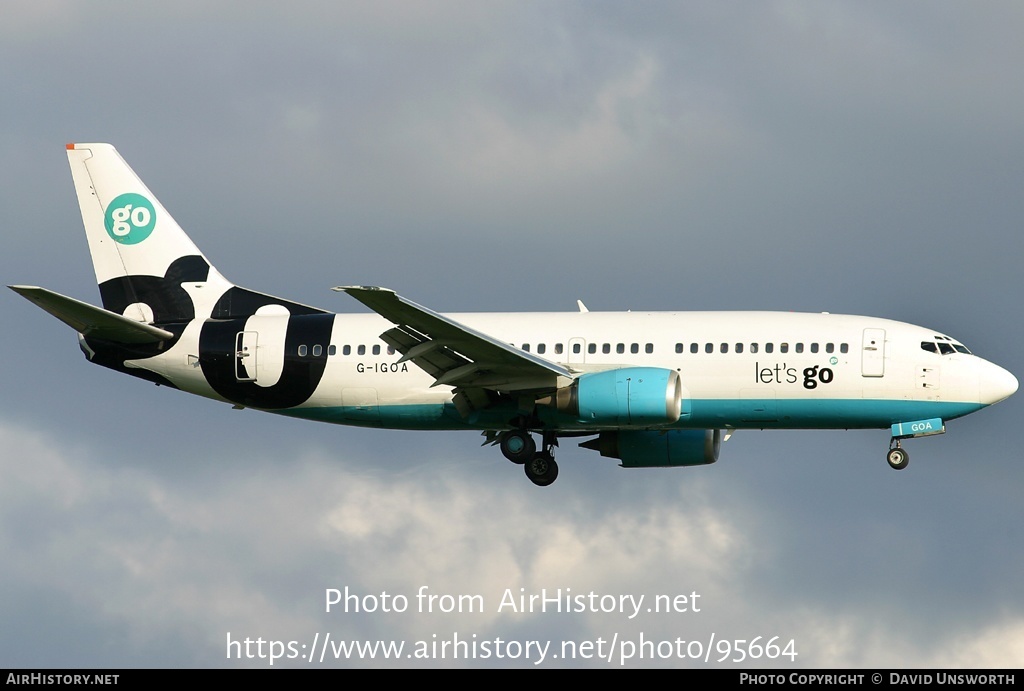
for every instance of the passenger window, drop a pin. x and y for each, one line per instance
(649, 348)
(526, 347)
(558, 348)
(346, 350)
(799, 347)
(679, 347)
(830, 347)
(361, 350)
(769, 347)
(302, 351)
(694, 348)
(620, 348)
(391, 350)
(318, 350)
(814, 347)
(332, 350)
(606, 348)
(376, 350)
(591, 348)
(709, 347)
(542, 348)
(783, 347)
(634, 348)
(753, 347)
(739, 347)
(844, 348)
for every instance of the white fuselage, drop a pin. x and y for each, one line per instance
(738, 369)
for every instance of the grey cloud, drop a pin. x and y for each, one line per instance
(855, 157)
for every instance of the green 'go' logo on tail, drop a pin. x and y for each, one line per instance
(129, 218)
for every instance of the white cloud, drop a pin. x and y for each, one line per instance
(165, 562)
(252, 553)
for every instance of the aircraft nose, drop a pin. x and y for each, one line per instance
(995, 384)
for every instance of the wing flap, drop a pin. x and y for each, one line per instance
(453, 353)
(433, 357)
(92, 321)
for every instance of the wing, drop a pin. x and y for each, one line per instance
(453, 353)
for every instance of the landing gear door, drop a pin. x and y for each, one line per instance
(873, 353)
(245, 356)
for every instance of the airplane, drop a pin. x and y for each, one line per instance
(651, 389)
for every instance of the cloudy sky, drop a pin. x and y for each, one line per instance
(859, 157)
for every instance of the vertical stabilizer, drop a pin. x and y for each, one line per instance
(140, 254)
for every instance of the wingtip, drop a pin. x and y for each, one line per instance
(349, 289)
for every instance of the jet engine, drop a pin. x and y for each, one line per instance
(659, 449)
(631, 396)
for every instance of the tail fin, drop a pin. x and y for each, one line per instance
(140, 254)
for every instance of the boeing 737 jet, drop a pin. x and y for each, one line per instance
(652, 389)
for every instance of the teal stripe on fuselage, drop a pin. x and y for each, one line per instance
(836, 413)
(705, 414)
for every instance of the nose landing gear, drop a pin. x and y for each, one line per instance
(897, 457)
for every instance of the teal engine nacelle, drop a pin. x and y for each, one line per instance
(659, 449)
(627, 397)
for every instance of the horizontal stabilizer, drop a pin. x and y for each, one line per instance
(92, 321)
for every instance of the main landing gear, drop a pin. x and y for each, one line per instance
(897, 457)
(519, 447)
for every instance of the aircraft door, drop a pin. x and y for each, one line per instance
(245, 356)
(259, 350)
(873, 353)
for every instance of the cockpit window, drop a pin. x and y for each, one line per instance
(944, 345)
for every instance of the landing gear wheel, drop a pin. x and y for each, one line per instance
(898, 458)
(518, 446)
(541, 469)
